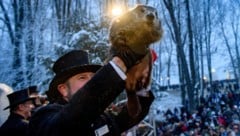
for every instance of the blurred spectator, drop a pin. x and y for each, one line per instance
(34, 93)
(21, 105)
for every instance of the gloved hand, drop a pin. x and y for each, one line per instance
(128, 56)
(139, 75)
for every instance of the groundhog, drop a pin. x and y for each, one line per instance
(138, 29)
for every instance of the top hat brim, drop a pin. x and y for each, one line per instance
(66, 74)
(19, 102)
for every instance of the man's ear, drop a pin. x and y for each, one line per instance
(62, 88)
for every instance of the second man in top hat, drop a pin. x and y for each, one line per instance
(21, 106)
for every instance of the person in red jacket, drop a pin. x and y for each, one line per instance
(79, 95)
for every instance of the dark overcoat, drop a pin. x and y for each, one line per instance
(15, 125)
(84, 114)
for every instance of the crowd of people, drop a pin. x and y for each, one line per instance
(218, 114)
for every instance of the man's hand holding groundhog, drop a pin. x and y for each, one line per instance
(138, 76)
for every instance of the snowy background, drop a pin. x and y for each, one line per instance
(33, 40)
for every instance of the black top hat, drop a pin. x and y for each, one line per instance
(68, 65)
(18, 97)
(32, 89)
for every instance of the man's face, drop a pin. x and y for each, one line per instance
(74, 83)
(26, 108)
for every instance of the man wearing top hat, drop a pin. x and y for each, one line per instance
(79, 94)
(21, 105)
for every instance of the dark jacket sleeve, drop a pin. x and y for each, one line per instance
(121, 122)
(83, 109)
(91, 100)
(126, 122)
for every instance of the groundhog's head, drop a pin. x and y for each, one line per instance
(137, 28)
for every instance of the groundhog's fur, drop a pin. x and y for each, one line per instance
(137, 29)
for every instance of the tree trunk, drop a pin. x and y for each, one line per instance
(180, 53)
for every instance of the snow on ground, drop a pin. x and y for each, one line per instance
(165, 100)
